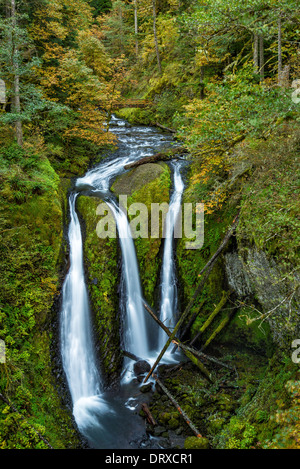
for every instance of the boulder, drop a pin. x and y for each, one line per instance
(140, 367)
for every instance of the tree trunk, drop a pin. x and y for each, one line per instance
(16, 84)
(261, 57)
(255, 54)
(279, 51)
(136, 30)
(155, 36)
(121, 31)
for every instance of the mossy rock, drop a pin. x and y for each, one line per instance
(192, 442)
(173, 423)
(137, 178)
(31, 264)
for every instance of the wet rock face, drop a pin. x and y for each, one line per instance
(237, 277)
(276, 293)
(141, 367)
(256, 275)
(137, 178)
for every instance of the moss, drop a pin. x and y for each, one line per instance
(192, 442)
(101, 260)
(136, 116)
(247, 334)
(31, 238)
(135, 180)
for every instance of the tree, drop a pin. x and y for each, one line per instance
(100, 6)
(136, 29)
(75, 66)
(155, 36)
(17, 66)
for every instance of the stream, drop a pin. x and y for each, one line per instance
(110, 420)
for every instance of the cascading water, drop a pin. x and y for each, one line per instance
(77, 348)
(168, 286)
(136, 343)
(100, 417)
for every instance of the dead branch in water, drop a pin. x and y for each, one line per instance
(186, 351)
(187, 310)
(149, 416)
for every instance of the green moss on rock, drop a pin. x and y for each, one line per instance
(192, 442)
(31, 231)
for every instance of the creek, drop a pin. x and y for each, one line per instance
(109, 419)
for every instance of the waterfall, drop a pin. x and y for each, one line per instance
(76, 337)
(136, 338)
(168, 285)
(77, 348)
(99, 416)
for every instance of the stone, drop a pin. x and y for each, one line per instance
(236, 276)
(159, 430)
(192, 442)
(141, 366)
(173, 423)
(137, 178)
(146, 388)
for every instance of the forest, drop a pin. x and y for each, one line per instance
(176, 102)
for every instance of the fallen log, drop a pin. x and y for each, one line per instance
(187, 310)
(192, 320)
(211, 317)
(180, 410)
(218, 329)
(165, 128)
(130, 355)
(161, 156)
(187, 352)
(149, 416)
(199, 288)
(211, 263)
(200, 354)
(185, 347)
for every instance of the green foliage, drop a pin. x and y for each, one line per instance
(287, 435)
(238, 435)
(31, 237)
(270, 201)
(235, 108)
